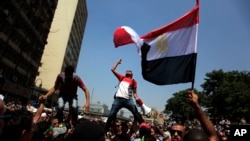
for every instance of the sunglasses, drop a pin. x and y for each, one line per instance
(172, 132)
(128, 75)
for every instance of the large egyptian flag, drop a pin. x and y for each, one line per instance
(168, 54)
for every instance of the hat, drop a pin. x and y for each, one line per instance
(43, 115)
(88, 131)
(167, 133)
(1, 97)
(144, 124)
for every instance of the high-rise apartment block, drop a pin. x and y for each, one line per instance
(38, 38)
(64, 40)
(24, 28)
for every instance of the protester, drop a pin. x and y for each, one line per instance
(123, 97)
(18, 126)
(40, 125)
(206, 124)
(66, 84)
(177, 132)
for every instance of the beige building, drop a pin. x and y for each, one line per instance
(64, 40)
(24, 28)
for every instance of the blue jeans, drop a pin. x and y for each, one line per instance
(122, 103)
(73, 107)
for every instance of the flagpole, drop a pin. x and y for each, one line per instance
(197, 2)
(194, 69)
(195, 59)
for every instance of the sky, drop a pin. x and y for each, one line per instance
(223, 43)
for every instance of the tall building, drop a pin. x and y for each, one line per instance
(24, 28)
(64, 40)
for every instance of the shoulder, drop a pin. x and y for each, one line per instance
(120, 76)
(60, 77)
(76, 77)
(134, 81)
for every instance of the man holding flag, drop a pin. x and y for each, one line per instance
(168, 54)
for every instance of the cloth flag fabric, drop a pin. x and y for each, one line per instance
(168, 54)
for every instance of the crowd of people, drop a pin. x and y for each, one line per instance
(26, 123)
(19, 122)
(45, 126)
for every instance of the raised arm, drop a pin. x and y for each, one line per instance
(113, 69)
(39, 111)
(204, 120)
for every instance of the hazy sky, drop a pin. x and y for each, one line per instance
(223, 43)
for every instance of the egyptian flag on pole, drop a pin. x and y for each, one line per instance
(168, 54)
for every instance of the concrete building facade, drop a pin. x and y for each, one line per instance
(38, 39)
(64, 40)
(24, 28)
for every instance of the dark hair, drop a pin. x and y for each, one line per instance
(87, 131)
(144, 131)
(20, 120)
(39, 129)
(195, 135)
(148, 137)
(69, 69)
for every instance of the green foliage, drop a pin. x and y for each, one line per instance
(179, 106)
(224, 94)
(228, 93)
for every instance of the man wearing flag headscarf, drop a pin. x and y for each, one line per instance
(123, 97)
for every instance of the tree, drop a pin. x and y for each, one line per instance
(228, 94)
(179, 107)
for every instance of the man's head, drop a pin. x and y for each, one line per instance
(177, 132)
(69, 70)
(87, 131)
(54, 122)
(19, 124)
(129, 74)
(117, 127)
(195, 135)
(43, 116)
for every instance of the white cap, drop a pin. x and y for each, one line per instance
(1, 97)
(167, 133)
(43, 115)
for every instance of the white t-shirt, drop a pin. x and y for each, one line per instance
(125, 87)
